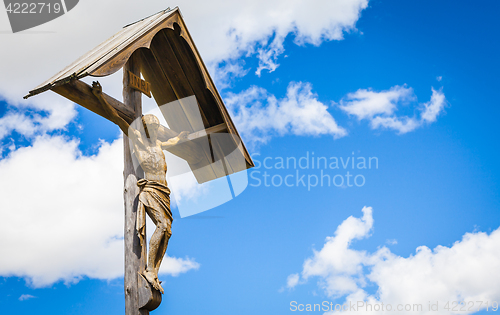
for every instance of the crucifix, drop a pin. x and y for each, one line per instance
(160, 49)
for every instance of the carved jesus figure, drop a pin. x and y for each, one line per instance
(154, 196)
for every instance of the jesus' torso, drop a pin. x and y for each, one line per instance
(152, 160)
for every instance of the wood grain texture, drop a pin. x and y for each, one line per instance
(140, 84)
(164, 94)
(142, 38)
(135, 248)
(172, 69)
(133, 251)
(107, 50)
(184, 33)
(81, 93)
(192, 71)
(211, 87)
(147, 299)
(173, 66)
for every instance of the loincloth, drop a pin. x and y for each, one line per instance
(154, 197)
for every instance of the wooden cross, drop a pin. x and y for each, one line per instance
(161, 49)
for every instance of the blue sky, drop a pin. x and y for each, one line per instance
(427, 232)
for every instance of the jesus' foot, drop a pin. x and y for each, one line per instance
(158, 286)
(153, 280)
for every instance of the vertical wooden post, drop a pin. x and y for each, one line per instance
(134, 250)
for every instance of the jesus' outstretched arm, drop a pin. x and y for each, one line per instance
(181, 137)
(111, 113)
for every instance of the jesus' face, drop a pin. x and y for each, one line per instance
(151, 125)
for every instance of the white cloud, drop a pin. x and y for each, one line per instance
(260, 115)
(337, 264)
(391, 241)
(292, 280)
(261, 26)
(434, 107)
(65, 214)
(25, 297)
(223, 32)
(365, 104)
(29, 123)
(379, 108)
(224, 74)
(18, 122)
(175, 266)
(268, 56)
(400, 124)
(465, 271)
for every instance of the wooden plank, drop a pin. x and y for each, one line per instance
(227, 118)
(146, 301)
(132, 249)
(189, 151)
(191, 78)
(140, 84)
(163, 93)
(214, 129)
(217, 165)
(135, 247)
(223, 147)
(203, 169)
(196, 153)
(203, 172)
(213, 92)
(228, 158)
(200, 159)
(141, 38)
(99, 52)
(81, 93)
(227, 145)
(172, 70)
(191, 69)
(199, 156)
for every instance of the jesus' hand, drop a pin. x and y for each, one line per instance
(183, 136)
(96, 88)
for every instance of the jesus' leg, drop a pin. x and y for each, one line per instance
(150, 273)
(162, 249)
(157, 246)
